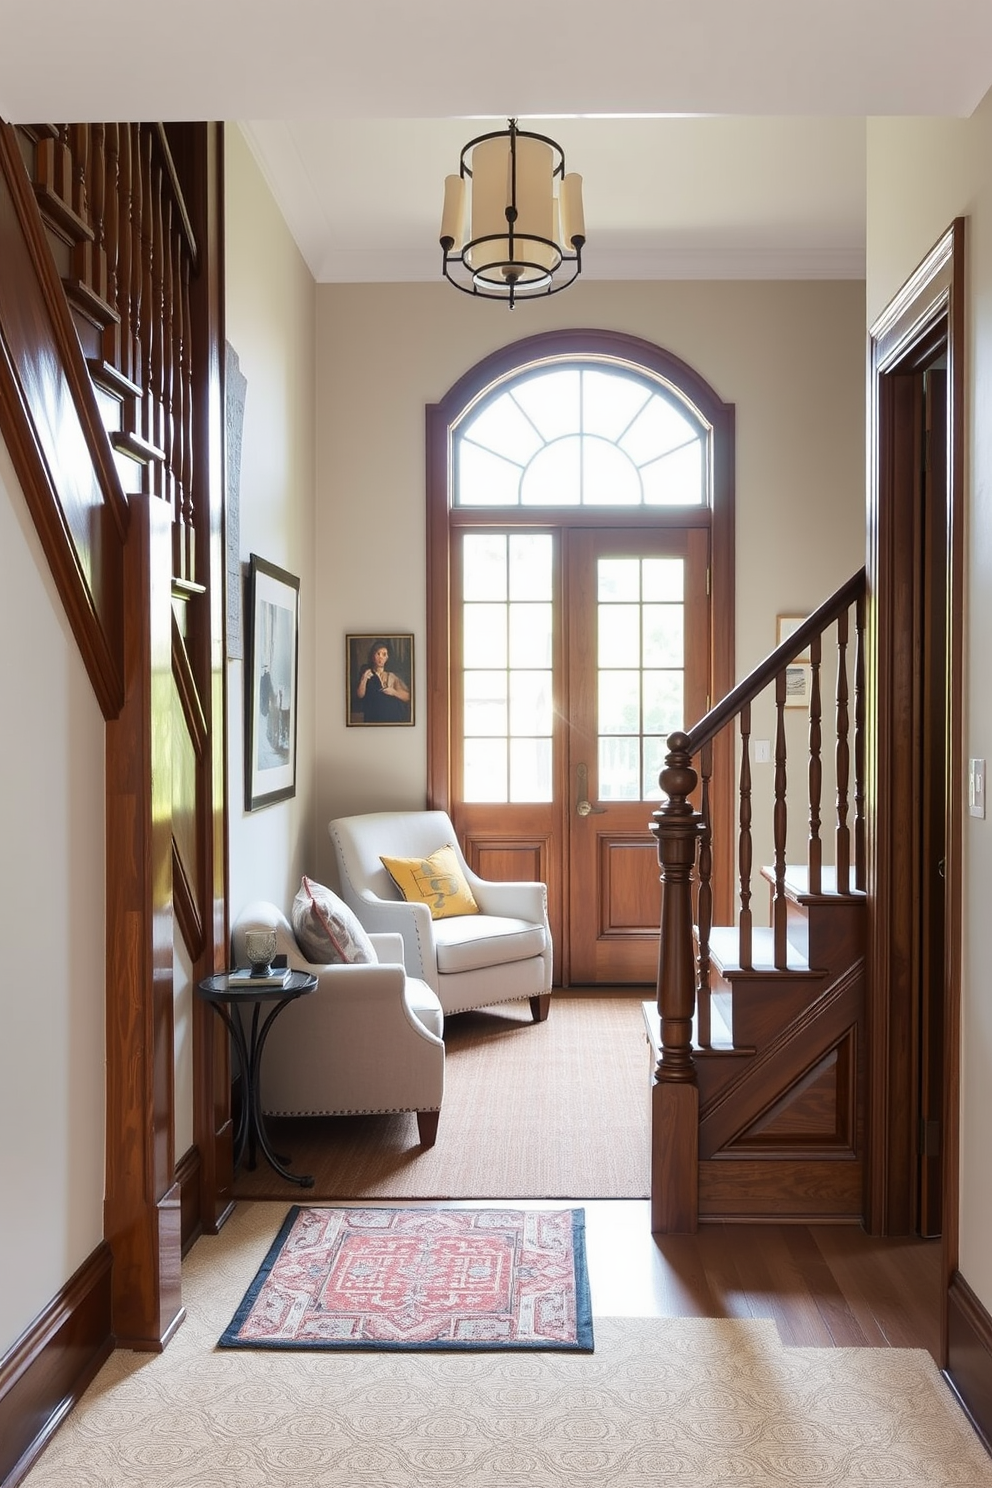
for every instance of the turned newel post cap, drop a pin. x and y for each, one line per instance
(678, 779)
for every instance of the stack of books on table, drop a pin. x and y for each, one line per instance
(276, 976)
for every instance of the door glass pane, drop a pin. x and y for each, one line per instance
(664, 579)
(663, 643)
(619, 579)
(619, 769)
(619, 702)
(530, 567)
(530, 769)
(641, 624)
(508, 703)
(484, 635)
(663, 702)
(531, 707)
(619, 635)
(530, 635)
(484, 562)
(485, 703)
(485, 770)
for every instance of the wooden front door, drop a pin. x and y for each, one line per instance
(580, 650)
(638, 660)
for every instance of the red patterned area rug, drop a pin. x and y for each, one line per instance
(367, 1278)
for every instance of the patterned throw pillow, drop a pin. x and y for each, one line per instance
(437, 881)
(326, 929)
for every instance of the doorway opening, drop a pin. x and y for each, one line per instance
(915, 579)
(580, 608)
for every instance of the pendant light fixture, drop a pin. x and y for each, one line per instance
(512, 226)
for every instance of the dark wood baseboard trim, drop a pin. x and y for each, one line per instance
(48, 1368)
(188, 1179)
(969, 1355)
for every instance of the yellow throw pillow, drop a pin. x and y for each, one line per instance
(437, 881)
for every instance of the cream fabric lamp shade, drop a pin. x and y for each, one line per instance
(535, 210)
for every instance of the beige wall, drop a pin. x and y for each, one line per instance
(52, 908)
(270, 306)
(921, 175)
(790, 356)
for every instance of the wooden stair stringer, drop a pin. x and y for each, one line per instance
(792, 1175)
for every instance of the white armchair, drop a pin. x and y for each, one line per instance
(471, 960)
(368, 1039)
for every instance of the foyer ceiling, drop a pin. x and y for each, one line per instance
(723, 138)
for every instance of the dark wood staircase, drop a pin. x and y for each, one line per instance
(758, 1031)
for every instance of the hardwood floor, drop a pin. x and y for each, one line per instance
(825, 1286)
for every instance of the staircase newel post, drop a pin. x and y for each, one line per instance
(674, 1091)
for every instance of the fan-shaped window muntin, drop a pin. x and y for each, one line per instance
(586, 435)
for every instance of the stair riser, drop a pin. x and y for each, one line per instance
(829, 935)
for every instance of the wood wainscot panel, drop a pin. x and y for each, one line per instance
(969, 1355)
(781, 1189)
(631, 886)
(48, 1368)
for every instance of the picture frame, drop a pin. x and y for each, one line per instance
(272, 607)
(379, 696)
(798, 674)
(787, 625)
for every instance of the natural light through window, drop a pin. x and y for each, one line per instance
(581, 436)
(641, 671)
(506, 657)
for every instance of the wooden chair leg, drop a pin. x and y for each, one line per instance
(427, 1126)
(540, 1007)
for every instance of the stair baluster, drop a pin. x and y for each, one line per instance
(704, 901)
(744, 846)
(860, 854)
(814, 850)
(780, 827)
(843, 760)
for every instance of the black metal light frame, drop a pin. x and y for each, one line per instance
(508, 287)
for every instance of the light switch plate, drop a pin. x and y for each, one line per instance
(762, 751)
(976, 787)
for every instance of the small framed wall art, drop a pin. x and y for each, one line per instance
(271, 671)
(379, 679)
(798, 672)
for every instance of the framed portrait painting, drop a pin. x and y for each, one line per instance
(379, 679)
(271, 669)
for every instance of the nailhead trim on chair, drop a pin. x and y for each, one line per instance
(356, 1111)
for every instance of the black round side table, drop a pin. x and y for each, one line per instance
(228, 996)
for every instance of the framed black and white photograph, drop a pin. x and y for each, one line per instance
(271, 666)
(379, 679)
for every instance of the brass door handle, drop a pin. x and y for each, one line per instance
(584, 806)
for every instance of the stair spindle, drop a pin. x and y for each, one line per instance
(744, 844)
(704, 900)
(814, 856)
(780, 820)
(843, 760)
(860, 856)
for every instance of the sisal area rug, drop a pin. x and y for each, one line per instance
(420, 1279)
(554, 1110)
(662, 1403)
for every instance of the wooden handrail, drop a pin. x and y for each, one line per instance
(766, 671)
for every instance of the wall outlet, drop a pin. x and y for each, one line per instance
(976, 787)
(762, 751)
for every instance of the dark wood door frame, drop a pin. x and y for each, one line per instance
(923, 321)
(440, 419)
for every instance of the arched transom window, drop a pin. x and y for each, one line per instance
(582, 435)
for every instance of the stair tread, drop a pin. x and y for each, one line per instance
(720, 1036)
(725, 952)
(797, 881)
